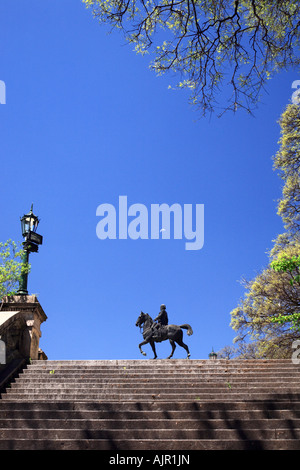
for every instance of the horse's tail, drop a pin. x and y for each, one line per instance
(188, 328)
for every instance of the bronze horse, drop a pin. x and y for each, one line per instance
(173, 333)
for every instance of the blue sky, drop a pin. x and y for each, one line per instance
(86, 121)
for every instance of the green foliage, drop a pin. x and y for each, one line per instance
(11, 267)
(268, 315)
(294, 320)
(289, 264)
(286, 264)
(292, 264)
(287, 162)
(270, 311)
(230, 44)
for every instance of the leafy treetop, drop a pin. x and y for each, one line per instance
(229, 45)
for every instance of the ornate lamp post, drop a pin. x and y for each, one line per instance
(29, 224)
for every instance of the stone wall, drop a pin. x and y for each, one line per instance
(21, 317)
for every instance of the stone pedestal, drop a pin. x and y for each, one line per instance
(21, 317)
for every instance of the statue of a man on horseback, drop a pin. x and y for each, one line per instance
(157, 329)
(161, 331)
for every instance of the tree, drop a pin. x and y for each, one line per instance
(287, 161)
(270, 312)
(242, 351)
(11, 267)
(212, 44)
(289, 262)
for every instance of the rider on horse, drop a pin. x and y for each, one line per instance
(162, 317)
(161, 331)
(162, 320)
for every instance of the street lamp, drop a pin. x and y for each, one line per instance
(213, 355)
(29, 224)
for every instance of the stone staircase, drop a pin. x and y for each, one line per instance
(153, 405)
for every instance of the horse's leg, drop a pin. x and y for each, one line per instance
(173, 348)
(140, 347)
(153, 349)
(179, 341)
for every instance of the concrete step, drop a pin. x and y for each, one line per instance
(157, 364)
(161, 366)
(155, 434)
(176, 404)
(139, 444)
(167, 386)
(89, 415)
(150, 434)
(230, 396)
(28, 380)
(148, 423)
(161, 406)
(170, 371)
(163, 377)
(165, 364)
(194, 391)
(176, 374)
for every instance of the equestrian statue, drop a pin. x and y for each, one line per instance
(161, 331)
